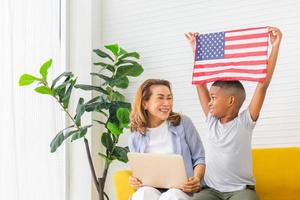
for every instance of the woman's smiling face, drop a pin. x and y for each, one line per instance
(159, 105)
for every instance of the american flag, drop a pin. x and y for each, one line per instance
(231, 55)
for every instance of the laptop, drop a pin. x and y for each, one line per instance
(158, 170)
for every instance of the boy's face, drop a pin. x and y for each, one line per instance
(219, 102)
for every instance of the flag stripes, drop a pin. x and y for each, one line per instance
(231, 55)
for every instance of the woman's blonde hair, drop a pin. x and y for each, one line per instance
(139, 120)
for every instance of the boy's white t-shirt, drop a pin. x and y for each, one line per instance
(159, 139)
(228, 153)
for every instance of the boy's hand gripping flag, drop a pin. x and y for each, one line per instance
(231, 55)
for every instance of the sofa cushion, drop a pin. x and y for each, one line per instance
(277, 173)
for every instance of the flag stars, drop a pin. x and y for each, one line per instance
(210, 46)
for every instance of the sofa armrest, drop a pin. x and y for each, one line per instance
(122, 187)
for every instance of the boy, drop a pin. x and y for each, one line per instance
(228, 172)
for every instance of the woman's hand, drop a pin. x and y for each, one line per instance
(135, 183)
(192, 39)
(192, 185)
(275, 36)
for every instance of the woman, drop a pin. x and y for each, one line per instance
(157, 129)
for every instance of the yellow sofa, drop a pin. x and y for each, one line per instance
(276, 170)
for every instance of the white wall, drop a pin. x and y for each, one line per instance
(79, 47)
(96, 13)
(81, 24)
(155, 29)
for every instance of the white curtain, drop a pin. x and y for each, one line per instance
(29, 35)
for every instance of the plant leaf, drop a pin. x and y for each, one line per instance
(58, 139)
(65, 74)
(61, 86)
(123, 116)
(102, 112)
(91, 87)
(114, 106)
(106, 66)
(79, 111)
(117, 96)
(44, 69)
(68, 134)
(124, 61)
(102, 54)
(96, 106)
(100, 122)
(27, 79)
(60, 91)
(122, 104)
(106, 78)
(113, 128)
(44, 90)
(122, 51)
(121, 82)
(121, 154)
(129, 70)
(93, 100)
(107, 141)
(67, 95)
(81, 133)
(114, 48)
(132, 54)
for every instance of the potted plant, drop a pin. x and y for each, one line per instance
(113, 74)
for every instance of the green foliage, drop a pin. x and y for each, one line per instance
(115, 68)
(60, 89)
(114, 71)
(44, 69)
(27, 79)
(123, 117)
(43, 90)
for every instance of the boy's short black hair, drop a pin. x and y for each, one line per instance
(234, 88)
(229, 84)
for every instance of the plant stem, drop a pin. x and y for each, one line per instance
(98, 184)
(105, 174)
(66, 111)
(106, 196)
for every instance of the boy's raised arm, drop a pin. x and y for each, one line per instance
(204, 98)
(202, 90)
(261, 88)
